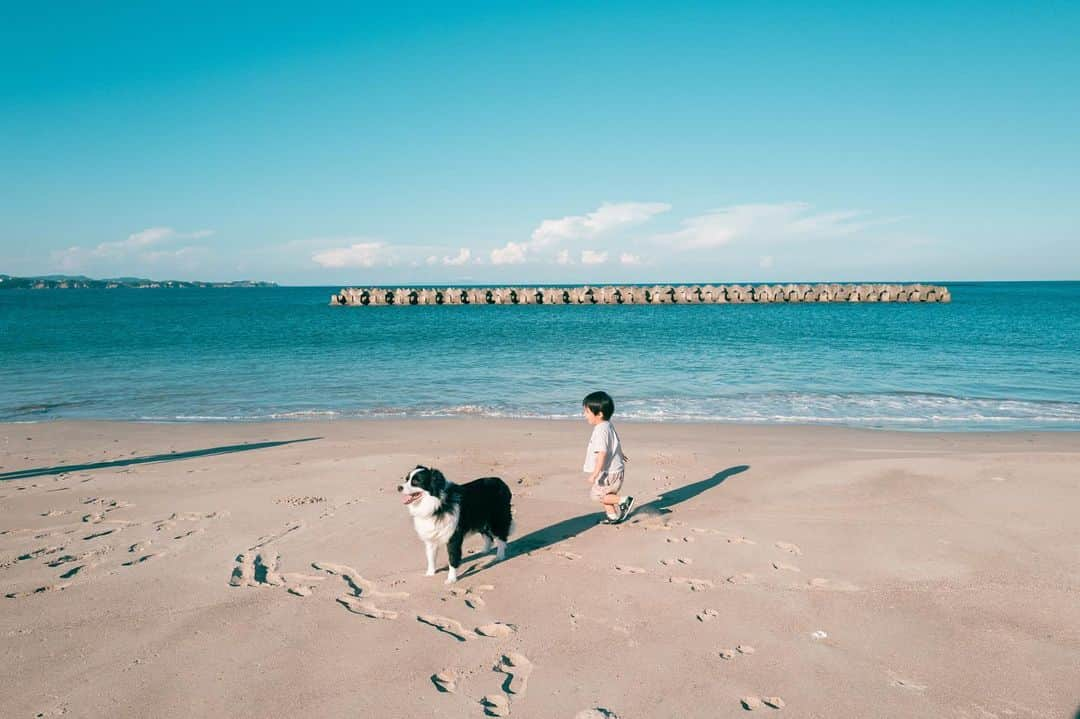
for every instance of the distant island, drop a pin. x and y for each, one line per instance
(69, 282)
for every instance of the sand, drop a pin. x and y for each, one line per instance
(256, 570)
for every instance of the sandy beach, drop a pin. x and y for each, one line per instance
(256, 570)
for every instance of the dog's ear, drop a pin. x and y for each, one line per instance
(438, 481)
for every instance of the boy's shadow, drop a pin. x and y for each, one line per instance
(574, 526)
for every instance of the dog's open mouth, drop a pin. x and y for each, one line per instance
(410, 498)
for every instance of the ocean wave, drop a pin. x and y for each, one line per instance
(909, 411)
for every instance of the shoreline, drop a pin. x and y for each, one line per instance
(742, 424)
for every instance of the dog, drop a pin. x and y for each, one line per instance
(445, 513)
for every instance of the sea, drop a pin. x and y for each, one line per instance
(1001, 356)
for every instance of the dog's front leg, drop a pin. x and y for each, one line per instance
(432, 550)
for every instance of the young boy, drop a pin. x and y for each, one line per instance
(604, 458)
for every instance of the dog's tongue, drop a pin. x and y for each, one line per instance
(407, 498)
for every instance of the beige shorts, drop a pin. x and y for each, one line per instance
(606, 484)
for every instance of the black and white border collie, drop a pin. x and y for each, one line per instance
(445, 513)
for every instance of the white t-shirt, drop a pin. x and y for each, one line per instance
(604, 439)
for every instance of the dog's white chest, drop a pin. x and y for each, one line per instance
(436, 529)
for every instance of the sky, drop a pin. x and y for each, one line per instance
(346, 144)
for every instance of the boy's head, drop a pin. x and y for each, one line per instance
(598, 407)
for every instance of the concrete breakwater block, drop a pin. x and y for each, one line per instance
(639, 295)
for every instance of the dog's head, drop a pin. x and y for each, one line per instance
(422, 486)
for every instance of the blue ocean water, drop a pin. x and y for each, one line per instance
(1000, 356)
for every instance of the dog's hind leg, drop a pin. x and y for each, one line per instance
(501, 530)
(432, 550)
(487, 542)
(453, 548)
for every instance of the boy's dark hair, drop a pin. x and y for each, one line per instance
(599, 403)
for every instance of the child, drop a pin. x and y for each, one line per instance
(604, 458)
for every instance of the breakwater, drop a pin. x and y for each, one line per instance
(639, 295)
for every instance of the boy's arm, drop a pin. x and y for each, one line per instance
(601, 457)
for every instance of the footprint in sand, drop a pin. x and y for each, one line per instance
(189, 533)
(41, 552)
(627, 569)
(741, 578)
(475, 602)
(707, 615)
(676, 560)
(364, 608)
(74, 570)
(82, 556)
(496, 705)
(293, 501)
(832, 585)
(39, 590)
(695, 585)
(55, 512)
(243, 574)
(496, 630)
(359, 585)
(195, 516)
(518, 668)
(732, 653)
(784, 566)
(445, 681)
(290, 527)
(730, 538)
(905, 684)
(572, 556)
(143, 558)
(266, 569)
(596, 713)
(447, 625)
(789, 548)
(753, 702)
(300, 585)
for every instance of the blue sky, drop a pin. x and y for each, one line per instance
(561, 142)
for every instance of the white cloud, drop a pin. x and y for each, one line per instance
(512, 254)
(609, 216)
(135, 250)
(764, 223)
(462, 257)
(359, 254)
(628, 259)
(593, 257)
(146, 238)
(431, 260)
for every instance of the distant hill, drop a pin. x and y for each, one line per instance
(67, 282)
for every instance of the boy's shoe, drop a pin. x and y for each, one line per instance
(609, 520)
(624, 509)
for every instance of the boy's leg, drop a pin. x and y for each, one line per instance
(611, 505)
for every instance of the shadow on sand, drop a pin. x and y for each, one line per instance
(574, 526)
(171, 457)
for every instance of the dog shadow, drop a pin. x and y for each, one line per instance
(572, 527)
